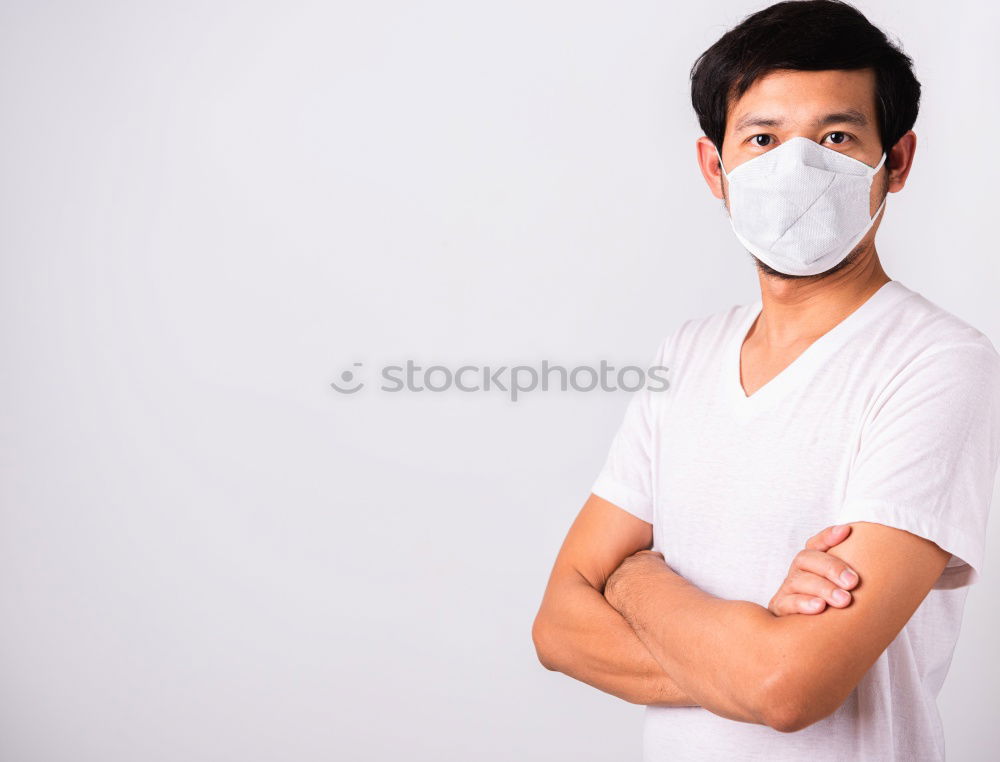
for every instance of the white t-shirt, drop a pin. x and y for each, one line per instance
(893, 417)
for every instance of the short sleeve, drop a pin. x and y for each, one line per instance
(928, 452)
(626, 478)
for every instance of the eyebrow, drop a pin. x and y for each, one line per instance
(849, 116)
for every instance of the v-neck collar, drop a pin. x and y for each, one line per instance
(887, 295)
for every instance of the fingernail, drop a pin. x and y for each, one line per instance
(814, 604)
(841, 596)
(848, 577)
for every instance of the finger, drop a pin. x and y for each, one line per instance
(825, 565)
(826, 539)
(807, 583)
(794, 603)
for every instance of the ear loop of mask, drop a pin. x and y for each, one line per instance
(875, 170)
(721, 166)
(725, 208)
(878, 166)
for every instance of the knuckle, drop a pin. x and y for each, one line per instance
(808, 583)
(810, 604)
(804, 582)
(835, 568)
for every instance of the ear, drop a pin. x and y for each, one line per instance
(708, 161)
(899, 159)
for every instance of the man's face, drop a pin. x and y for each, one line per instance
(834, 108)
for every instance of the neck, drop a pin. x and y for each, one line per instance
(803, 309)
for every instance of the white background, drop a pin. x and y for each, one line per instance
(210, 210)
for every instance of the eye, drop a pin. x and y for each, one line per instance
(754, 140)
(844, 137)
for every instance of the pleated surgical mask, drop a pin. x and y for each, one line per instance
(801, 208)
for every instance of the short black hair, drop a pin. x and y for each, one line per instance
(807, 35)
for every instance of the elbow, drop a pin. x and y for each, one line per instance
(786, 719)
(790, 702)
(779, 706)
(541, 636)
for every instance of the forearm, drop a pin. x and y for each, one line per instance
(718, 652)
(584, 637)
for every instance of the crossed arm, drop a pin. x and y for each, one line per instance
(734, 658)
(577, 632)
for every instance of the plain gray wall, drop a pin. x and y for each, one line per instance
(210, 210)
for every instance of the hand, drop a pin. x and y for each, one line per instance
(814, 579)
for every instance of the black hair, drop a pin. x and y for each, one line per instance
(807, 35)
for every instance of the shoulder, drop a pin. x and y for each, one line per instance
(929, 353)
(926, 335)
(706, 334)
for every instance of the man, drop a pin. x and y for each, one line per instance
(842, 397)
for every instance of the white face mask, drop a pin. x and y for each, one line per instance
(801, 208)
